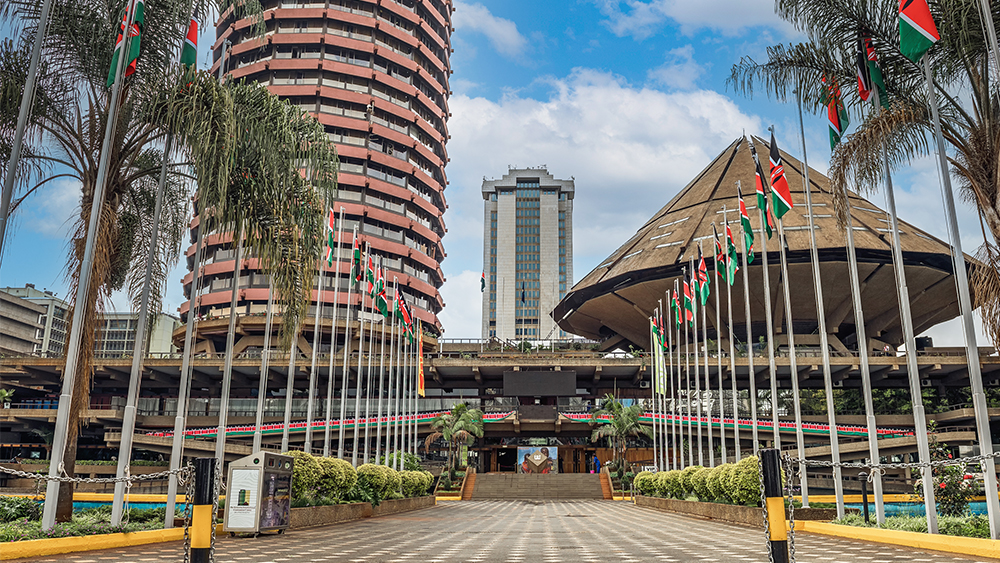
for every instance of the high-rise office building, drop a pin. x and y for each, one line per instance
(54, 320)
(527, 252)
(116, 335)
(375, 73)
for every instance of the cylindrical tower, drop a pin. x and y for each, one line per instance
(375, 73)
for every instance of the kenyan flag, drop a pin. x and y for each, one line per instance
(189, 53)
(356, 262)
(747, 227)
(675, 307)
(134, 43)
(370, 274)
(731, 264)
(482, 283)
(381, 303)
(781, 195)
(702, 277)
(761, 181)
(917, 32)
(836, 114)
(869, 75)
(688, 301)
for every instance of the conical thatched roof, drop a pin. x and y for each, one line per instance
(614, 300)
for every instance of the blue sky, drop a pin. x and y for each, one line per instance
(628, 97)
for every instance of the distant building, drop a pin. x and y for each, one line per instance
(115, 331)
(527, 252)
(20, 328)
(54, 321)
(116, 334)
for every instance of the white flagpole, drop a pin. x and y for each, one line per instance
(180, 417)
(61, 435)
(718, 343)
(27, 99)
(769, 320)
(310, 406)
(696, 305)
(381, 380)
(265, 358)
(391, 385)
(708, 379)
(752, 392)
(361, 355)
(730, 272)
(139, 347)
(687, 371)
(368, 372)
(333, 339)
(655, 364)
(679, 427)
(346, 370)
(397, 430)
(672, 459)
(227, 369)
(405, 414)
(293, 350)
(965, 304)
(664, 462)
(793, 362)
(416, 381)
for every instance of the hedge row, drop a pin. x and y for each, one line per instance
(736, 483)
(336, 479)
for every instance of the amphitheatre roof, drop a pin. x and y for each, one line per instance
(612, 302)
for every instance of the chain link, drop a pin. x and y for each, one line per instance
(217, 489)
(188, 481)
(881, 467)
(66, 479)
(763, 503)
(790, 500)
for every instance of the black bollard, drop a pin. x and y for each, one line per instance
(202, 517)
(864, 494)
(774, 497)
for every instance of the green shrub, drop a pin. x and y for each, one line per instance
(428, 481)
(305, 474)
(445, 483)
(410, 461)
(645, 483)
(668, 484)
(744, 482)
(336, 477)
(414, 483)
(380, 479)
(19, 508)
(687, 486)
(714, 483)
(725, 476)
(627, 480)
(699, 483)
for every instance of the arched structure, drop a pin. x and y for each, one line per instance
(613, 301)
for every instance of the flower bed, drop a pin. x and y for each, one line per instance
(977, 526)
(24, 523)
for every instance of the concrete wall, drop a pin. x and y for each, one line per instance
(19, 324)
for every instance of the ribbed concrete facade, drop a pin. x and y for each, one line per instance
(375, 73)
(527, 252)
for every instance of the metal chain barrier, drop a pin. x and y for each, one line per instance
(790, 503)
(185, 476)
(218, 487)
(800, 464)
(763, 503)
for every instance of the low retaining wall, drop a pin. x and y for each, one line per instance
(387, 507)
(746, 515)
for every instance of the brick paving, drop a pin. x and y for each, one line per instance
(521, 532)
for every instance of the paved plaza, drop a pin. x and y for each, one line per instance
(522, 532)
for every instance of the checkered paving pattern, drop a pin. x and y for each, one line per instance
(522, 532)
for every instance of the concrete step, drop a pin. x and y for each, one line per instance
(513, 486)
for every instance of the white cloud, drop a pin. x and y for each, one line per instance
(55, 208)
(502, 33)
(629, 148)
(680, 70)
(462, 317)
(640, 19)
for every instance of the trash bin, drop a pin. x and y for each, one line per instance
(259, 493)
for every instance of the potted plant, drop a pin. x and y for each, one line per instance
(5, 395)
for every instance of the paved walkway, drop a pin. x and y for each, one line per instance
(522, 532)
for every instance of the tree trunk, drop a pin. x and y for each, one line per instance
(84, 372)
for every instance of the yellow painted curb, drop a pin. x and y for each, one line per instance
(55, 546)
(978, 547)
(109, 497)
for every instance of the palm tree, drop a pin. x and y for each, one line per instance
(623, 423)
(967, 93)
(458, 426)
(245, 149)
